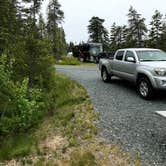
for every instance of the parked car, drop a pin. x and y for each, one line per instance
(146, 68)
(106, 55)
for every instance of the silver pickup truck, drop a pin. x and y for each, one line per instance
(144, 67)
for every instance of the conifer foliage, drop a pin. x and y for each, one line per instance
(134, 34)
(28, 46)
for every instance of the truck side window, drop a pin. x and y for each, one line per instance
(129, 54)
(119, 55)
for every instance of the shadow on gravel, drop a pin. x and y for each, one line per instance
(123, 83)
(160, 96)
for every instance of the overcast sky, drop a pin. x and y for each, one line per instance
(79, 12)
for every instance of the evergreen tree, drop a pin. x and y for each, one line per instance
(7, 24)
(137, 28)
(163, 35)
(35, 7)
(70, 47)
(118, 36)
(97, 31)
(55, 16)
(113, 37)
(41, 27)
(156, 29)
(55, 34)
(60, 43)
(105, 40)
(125, 32)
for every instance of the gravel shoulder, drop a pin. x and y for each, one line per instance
(125, 118)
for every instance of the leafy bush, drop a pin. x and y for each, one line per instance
(68, 61)
(28, 84)
(20, 106)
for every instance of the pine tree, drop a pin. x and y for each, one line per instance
(97, 32)
(7, 24)
(105, 40)
(118, 36)
(59, 43)
(113, 37)
(55, 16)
(137, 28)
(96, 29)
(35, 7)
(163, 35)
(156, 29)
(55, 34)
(70, 47)
(125, 32)
(41, 26)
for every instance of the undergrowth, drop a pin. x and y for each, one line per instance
(67, 137)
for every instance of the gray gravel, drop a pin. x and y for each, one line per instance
(126, 119)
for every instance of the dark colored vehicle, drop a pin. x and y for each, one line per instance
(106, 55)
(88, 52)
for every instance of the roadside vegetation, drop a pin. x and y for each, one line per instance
(73, 61)
(28, 49)
(68, 61)
(66, 136)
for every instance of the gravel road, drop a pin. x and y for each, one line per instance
(126, 119)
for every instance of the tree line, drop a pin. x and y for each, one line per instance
(28, 46)
(134, 34)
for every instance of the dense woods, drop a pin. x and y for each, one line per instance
(28, 46)
(135, 34)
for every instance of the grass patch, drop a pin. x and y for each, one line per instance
(67, 137)
(82, 158)
(68, 61)
(17, 146)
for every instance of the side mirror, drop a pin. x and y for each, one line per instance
(131, 59)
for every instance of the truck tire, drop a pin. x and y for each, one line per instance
(104, 75)
(145, 89)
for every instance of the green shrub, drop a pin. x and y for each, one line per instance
(27, 85)
(20, 106)
(35, 62)
(27, 81)
(68, 61)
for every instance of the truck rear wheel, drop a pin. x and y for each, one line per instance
(104, 74)
(145, 88)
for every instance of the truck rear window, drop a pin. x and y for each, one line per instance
(119, 55)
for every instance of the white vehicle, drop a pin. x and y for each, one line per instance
(69, 54)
